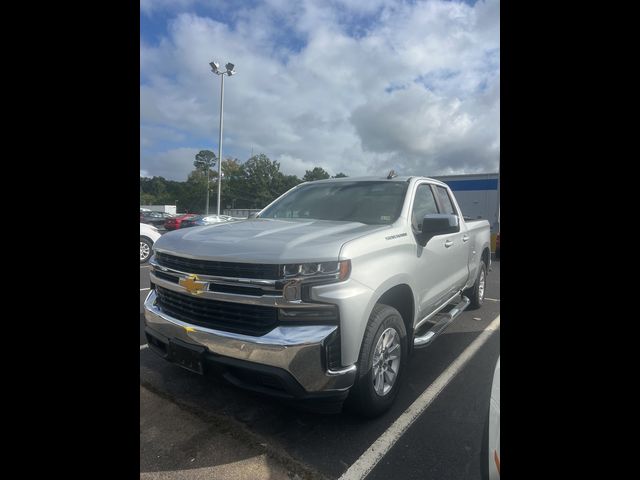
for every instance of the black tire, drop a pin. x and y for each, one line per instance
(363, 398)
(149, 244)
(476, 293)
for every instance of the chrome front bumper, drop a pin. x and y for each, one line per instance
(297, 350)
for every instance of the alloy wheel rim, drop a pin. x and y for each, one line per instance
(481, 285)
(386, 361)
(144, 251)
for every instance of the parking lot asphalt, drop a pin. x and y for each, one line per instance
(444, 442)
(178, 444)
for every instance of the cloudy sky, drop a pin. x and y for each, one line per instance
(353, 86)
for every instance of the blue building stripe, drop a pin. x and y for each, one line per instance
(485, 184)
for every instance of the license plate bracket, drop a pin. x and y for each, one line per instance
(186, 355)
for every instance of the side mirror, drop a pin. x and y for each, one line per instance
(438, 224)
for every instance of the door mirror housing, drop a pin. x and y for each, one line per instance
(438, 224)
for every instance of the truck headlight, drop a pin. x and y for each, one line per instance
(340, 270)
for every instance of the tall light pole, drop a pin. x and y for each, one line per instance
(215, 68)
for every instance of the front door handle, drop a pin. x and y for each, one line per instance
(465, 238)
(448, 243)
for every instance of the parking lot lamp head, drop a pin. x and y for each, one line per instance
(230, 70)
(215, 67)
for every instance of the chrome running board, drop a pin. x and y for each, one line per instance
(441, 321)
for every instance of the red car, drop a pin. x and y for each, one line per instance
(174, 223)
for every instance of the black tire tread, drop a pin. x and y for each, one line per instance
(359, 397)
(473, 292)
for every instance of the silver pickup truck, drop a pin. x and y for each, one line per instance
(324, 294)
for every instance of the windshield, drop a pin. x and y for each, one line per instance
(371, 202)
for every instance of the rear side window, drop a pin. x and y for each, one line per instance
(445, 201)
(423, 204)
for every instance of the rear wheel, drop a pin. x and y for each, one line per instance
(381, 363)
(145, 249)
(476, 293)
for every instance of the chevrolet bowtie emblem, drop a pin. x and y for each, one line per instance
(193, 284)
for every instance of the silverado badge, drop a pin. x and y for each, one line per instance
(193, 284)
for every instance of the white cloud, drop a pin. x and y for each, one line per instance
(173, 164)
(323, 102)
(148, 7)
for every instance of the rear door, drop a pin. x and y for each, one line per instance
(457, 244)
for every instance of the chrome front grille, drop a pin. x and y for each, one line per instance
(241, 318)
(219, 269)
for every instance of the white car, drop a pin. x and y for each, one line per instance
(493, 428)
(148, 236)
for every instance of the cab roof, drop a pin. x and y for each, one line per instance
(378, 179)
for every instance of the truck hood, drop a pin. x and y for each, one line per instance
(264, 240)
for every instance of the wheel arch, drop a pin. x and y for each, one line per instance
(147, 238)
(401, 297)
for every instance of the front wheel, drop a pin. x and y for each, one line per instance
(381, 363)
(145, 249)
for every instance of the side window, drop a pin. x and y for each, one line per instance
(445, 201)
(423, 204)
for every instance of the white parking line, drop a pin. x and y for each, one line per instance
(142, 347)
(492, 299)
(370, 458)
(144, 289)
(145, 266)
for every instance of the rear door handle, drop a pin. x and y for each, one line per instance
(448, 243)
(465, 238)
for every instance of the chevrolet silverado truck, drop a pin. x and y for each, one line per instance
(324, 294)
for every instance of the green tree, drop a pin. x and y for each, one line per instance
(253, 184)
(147, 199)
(318, 173)
(263, 182)
(261, 177)
(340, 175)
(204, 159)
(234, 194)
(192, 199)
(286, 182)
